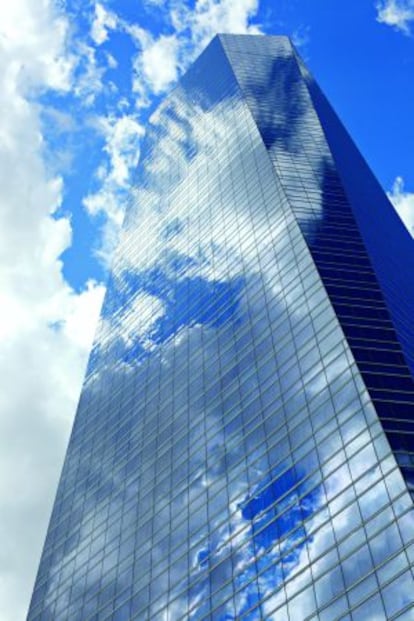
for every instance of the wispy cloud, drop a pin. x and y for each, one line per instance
(104, 20)
(157, 64)
(396, 13)
(120, 155)
(301, 36)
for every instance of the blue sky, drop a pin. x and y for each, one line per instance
(79, 79)
(128, 57)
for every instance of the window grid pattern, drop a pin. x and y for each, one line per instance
(227, 460)
(311, 181)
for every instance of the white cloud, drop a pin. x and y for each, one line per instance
(104, 20)
(41, 366)
(156, 64)
(301, 36)
(403, 203)
(45, 326)
(89, 81)
(82, 315)
(31, 43)
(212, 16)
(91, 64)
(40, 54)
(159, 62)
(122, 135)
(112, 63)
(396, 13)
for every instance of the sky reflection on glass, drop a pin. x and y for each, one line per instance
(226, 461)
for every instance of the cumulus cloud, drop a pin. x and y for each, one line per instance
(396, 13)
(403, 203)
(156, 64)
(46, 327)
(31, 41)
(159, 63)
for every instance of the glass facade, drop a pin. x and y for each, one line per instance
(243, 446)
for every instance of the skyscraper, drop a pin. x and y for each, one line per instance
(243, 447)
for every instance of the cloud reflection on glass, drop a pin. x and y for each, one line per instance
(226, 461)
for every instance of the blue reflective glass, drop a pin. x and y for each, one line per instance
(243, 443)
